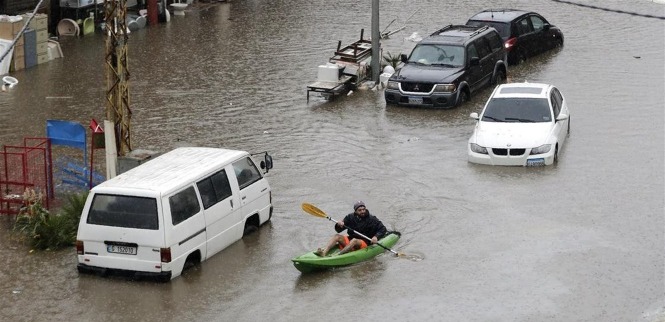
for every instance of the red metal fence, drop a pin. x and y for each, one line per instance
(23, 167)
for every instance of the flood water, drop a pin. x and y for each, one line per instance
(578, 241)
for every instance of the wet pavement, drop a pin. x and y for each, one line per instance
(578, 241)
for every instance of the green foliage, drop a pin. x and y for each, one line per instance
(392, 60)
(45, 230)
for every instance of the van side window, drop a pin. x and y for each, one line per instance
(124, 211)
(214, 189)
(246, 172)
(184, 204)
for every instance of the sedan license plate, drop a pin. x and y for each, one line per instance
(415, 100)
(128, 250)
(535, 162)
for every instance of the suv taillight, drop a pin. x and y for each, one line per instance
(165, 254)
(79, 247)
(510, 43)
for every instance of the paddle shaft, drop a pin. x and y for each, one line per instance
(365, 237)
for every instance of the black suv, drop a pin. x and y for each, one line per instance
(445, 68)
(525, 33)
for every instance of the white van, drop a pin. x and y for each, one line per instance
(179, 208)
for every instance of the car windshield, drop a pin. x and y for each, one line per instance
(502, 27)
(525, 110)
(435, 54)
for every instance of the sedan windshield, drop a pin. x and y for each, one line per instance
(442, 55)
(525, 110)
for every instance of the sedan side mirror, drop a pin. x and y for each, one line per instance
(474, 116)
(403, 58)
(546, 27)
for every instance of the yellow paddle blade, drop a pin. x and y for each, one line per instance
(313, 210)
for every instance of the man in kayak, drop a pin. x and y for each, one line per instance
(362, 222)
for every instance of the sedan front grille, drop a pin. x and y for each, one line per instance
(511, 152)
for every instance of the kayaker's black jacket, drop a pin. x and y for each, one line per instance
(369, 226)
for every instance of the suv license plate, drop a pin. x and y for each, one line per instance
(121, 249)
(535, 162)
(415, 100)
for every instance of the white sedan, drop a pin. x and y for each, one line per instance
(522, 124)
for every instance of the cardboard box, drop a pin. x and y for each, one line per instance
(18, 63)
(9, 29)
(19, 51)
(42, 36)
(42, 58)
(39, 22)
(42, 47)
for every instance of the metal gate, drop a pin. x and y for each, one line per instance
(23, 167)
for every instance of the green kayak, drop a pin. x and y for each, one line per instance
(310, 262)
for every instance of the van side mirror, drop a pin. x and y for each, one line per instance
(475, 61)
(403, 58)
(267, 162)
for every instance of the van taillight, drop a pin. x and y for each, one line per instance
(79, 247)
(510, 43)
(165, 254)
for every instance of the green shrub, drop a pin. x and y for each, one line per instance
(45, 230)
(392, 60)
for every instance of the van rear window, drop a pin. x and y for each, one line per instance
(124, 211)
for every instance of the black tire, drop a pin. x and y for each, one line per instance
(521, 58)
(556, 154)
(498, 77)
(462, 97)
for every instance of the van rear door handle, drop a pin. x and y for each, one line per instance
(244, 197)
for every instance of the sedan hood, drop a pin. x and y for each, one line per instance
(427, 74)
(515, 135)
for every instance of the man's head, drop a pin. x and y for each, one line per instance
(359, 208)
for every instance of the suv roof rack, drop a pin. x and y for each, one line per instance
(481, 29)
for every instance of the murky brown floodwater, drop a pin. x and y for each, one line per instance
(580, 241)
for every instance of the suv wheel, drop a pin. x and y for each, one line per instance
(462, 97)
(498, 77)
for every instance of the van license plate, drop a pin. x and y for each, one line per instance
(415, 100)
(121, 249)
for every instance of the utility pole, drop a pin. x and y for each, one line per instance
(117, 73)
(376, 37)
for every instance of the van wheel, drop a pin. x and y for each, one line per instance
(192, 260)
(251, 225)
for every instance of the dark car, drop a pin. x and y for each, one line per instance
(524, 33)
(444, 69)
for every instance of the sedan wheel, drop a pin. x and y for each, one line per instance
(556, 154)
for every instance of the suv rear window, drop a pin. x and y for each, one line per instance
(124, 211)
(502, 27)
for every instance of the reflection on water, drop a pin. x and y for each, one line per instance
(234, 74)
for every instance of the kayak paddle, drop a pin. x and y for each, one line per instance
(314, 211)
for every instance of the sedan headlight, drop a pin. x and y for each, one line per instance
(478, 149)
(393, 85)
(445, 88)
(541, 149)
